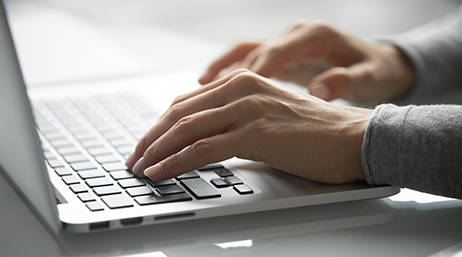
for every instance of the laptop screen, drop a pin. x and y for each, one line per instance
(21, 159)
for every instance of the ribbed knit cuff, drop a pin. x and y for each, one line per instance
(381, 149)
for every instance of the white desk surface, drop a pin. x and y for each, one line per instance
(408, 224)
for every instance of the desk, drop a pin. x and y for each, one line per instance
(409, 224)
(381, 227)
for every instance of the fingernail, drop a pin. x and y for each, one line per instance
(139, 167)
(320, 90)
(153, 171)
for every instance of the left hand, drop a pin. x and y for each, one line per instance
(329, 62)
(251, 117)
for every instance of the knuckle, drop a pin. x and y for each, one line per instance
(178, 99)
(368, 75)
(241, 70)
(244, 77)
(174, 113)
(182, 126)
(322, 27)
(202, 149)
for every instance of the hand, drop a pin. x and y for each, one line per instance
(248, 116)
(330, 63)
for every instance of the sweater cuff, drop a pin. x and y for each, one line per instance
(381, 148)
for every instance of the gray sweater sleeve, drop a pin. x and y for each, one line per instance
(435, 49)
(418, 147)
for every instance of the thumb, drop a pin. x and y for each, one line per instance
(338, 82)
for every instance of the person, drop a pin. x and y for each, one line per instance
(240, 112)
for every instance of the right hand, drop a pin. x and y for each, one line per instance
(250, 117)
(330, 63)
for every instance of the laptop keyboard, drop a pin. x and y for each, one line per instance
(86, 142)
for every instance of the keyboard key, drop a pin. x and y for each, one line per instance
(222, 172)
(97, 182)
(153, 199)
(117, 201)
(76, 158)
(78, 188)
(55, 163)
(102, 126)
(243, 189)
(233, 181)
(61, 142)
(48, 155)
(137, 191)
(99, 151)
(106, 158)
(86, 174)
(131, 182)
(169, 190)
(126, 149)
(112, 133)
(82, 134)
(118, 141)
(83, 166)
(68, 150)
(219, 182)
(91, 142)
(115, 166)
(162, 183)
(53, 134)
(86, 197)
(188, 175)
(75, 127)
(63, 171)
(106, 190)
(69, 180)
(94, 206)
(212, 166)
(200, 188)
(123, 174)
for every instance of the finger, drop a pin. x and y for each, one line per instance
(187, 131)
(209, 86)
(338, 82)
(202, 99)
(250, 59)
(199, 154)
(167, 120)
(235, 54)
(270, 61)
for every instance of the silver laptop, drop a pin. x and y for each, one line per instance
(63, 151)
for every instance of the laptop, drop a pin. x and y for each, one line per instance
(63, 151)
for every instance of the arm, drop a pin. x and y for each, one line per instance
(435, 49)
(329, 62)
(418, 147)
(247, 116)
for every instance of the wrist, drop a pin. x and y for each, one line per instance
(400, 72)
(354, 138)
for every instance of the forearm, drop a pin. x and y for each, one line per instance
(435, 49)
(415, 147)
